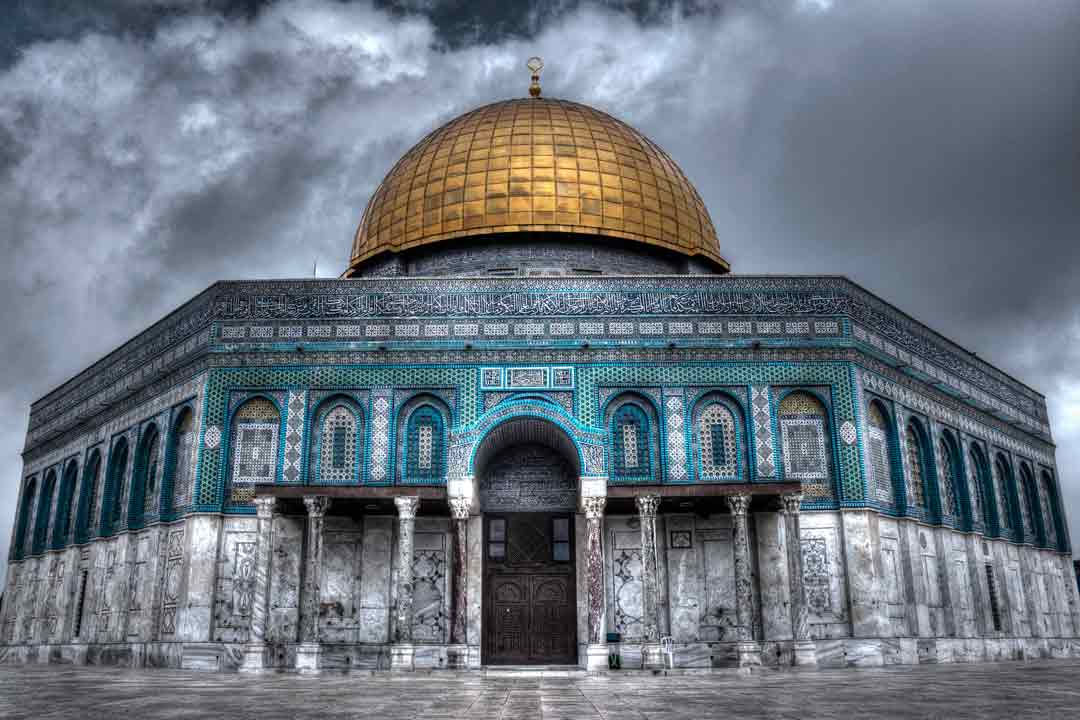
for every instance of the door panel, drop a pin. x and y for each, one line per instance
(529, 608)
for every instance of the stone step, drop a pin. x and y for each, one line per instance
(533, 671)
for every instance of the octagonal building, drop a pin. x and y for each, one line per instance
(538, 422)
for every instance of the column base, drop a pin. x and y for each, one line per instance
(457, 657)
(805, 653)
(402, 656)
(254, 657)
(749, 654)
(652, 657)
(307, 657)
(596, 656)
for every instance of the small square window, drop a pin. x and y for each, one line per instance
(496, 550)
(497, 529)
(560, 530)
(560, 552)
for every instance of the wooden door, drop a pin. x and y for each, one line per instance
(529, 609)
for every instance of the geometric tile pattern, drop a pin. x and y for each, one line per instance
(761, 408)
(294, 436)
(380, 437)
(675, 417)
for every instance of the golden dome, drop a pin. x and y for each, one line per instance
(535, 165)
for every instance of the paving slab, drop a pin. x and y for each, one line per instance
(1047, 689)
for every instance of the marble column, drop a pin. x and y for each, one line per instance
(805, 650)
(651, 657)
(307, 653)
(255, 650)
(403, 652)
(457, 652)
(596, 652)
(749, 651)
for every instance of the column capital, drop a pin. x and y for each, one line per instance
(264, 506)
(407, 506)
(460, 507)
(647, 504)
(739, 503)
(594, 507)
(316, 505)
(791, 502)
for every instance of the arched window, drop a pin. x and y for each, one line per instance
(112, 511)
(879, 445)
(1033, 522)
(255, 432)
(181, 461)
(25, 520)
(804, 439)
(88, 498)
(337, 447)
(950, 495)
(425, 446)
(718, 456)
(631, 444)
(44, 510)
(144, 486)
(1004, 497)
(1054, 530)
(65, 507)
(916, 467)
(979, 480)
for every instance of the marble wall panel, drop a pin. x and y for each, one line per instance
(893, 583)
(824, 577)
(234, 594)
(375, 579)
(202, 553)
(717, 619)
(287, 539)
(431, 582)
(339, 579)
(684, 581)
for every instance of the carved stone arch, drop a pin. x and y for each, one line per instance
(527, 463)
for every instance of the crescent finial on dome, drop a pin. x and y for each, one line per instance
(535, 65)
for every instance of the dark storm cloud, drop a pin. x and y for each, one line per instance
(927, 150)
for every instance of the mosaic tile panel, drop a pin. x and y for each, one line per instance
(761, 408)
(675, 418)
(296, 408)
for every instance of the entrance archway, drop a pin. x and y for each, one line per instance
(527, 473)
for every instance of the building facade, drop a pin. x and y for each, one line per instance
(538, 422)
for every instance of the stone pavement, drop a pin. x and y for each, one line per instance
(1046, 690)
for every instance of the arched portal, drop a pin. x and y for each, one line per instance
(527, 471)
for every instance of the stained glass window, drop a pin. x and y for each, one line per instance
(630, 444)
(717, 443)
(41, 518)
(89, 498)
(255, 448)
(977, 480)
(1050, 516)
(339, 439)
(183, 461)
(117, 480)
(1001, 475)
(1030, 502)
(65, 506)
(948, 485)
(150, 460)
(880, 464)
(802, 434)
(22, 541)
(426, 451)
(916, 469)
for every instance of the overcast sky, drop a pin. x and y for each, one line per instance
(926, 149)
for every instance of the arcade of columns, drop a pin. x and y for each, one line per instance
(654, 600)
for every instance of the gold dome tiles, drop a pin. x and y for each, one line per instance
(535, 165)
